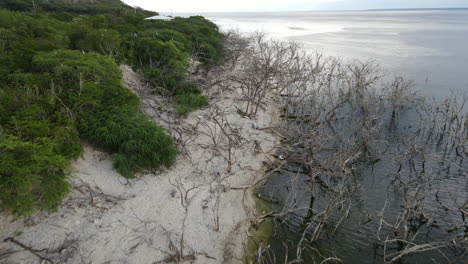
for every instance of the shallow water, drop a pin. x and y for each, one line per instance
(429, 47)
(372, 188)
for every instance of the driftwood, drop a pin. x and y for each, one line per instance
(35, 252)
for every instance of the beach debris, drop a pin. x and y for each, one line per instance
(255, 125)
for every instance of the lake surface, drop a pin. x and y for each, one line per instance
(429, 47)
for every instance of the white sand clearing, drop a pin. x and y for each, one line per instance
(196, 211)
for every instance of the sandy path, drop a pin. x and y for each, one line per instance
(188, 212)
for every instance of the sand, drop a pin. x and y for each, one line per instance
(196, 211)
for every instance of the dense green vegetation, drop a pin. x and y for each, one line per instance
(76, 6)
(60, 83)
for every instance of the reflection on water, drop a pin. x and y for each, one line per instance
(429, 47)
(374, 187)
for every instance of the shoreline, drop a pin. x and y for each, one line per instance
(198, 210)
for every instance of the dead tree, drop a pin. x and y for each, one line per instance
(335, 116)
(399, 92)
(224, 138)
(235, 47)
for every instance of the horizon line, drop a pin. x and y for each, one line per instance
(330, 10)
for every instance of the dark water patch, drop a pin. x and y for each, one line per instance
(378, 189)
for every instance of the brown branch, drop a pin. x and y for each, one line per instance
(30, 249)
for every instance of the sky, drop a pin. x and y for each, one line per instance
(203, 6)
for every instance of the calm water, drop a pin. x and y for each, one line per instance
(429, 47)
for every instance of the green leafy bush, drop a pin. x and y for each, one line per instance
(136, 141)
(188, 98)
(60, 83)
(32, 174)
(68, 96)
(187, 103)
(203, 36)
(77, 6)
(107, 113)
(165, 78)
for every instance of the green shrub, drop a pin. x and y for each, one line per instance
(55, 90)
(136, 141)
(104, 41)
(77, 6)
(68, 96)
(107, 113)
(164, 78)
(32, 175)
(179, 39)
(202, 36)
(188, 98)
